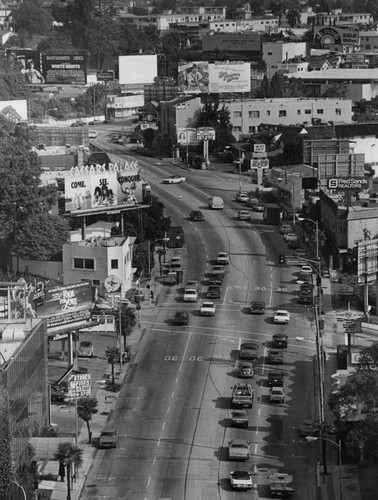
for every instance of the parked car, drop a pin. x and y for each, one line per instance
(307, 428)
(223, 258)
(242, 197)
(248, 350)
(174, 179)
(275, 357)
(238, 449)
(239, 418)
(192, 284)
(257, 307)
(190, 295)
(246, 370)
(279, 340)
(244, 215)
(281, 317)
(181, 318)
(241, 480)
(306, 269)
(86, 349)
(175, 263)
(305, 298)
(207, 309)
(304, 278)
(275, 379)
(196, 216)
(259, 207)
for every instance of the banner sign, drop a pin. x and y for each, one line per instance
(205, 134)
(347, 183)
(66, 69)
(79, 385)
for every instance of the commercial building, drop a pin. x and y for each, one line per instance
(259, 23)
(237, 46)
(178, 114)
(278, 52)
(337, 17)
(368, 41)
(190, 15)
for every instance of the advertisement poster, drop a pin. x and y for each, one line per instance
(193, 77)
(28, 62)
(187, 137)
(230, 77)
(336, 35)
(64, 69)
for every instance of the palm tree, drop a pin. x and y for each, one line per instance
(86, 407)
(112, 355)
(69, 454)
(125, 321)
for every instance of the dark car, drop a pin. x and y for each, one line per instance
(305, 298)
(248, 350)
(275, 379)
(58, 394)
(197, 216)
(275, 357)
(257, 307)
(279, 340)
(214, 292)
(181, 318)
(215, 282)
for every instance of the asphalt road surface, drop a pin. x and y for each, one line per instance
(173, 415)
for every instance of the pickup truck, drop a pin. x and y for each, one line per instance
(242, 396)
(108, 439)
(238, 449)
(281, 485)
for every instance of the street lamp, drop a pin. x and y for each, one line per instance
(150, 243)
(310, 439)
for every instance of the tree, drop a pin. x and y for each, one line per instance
(12, 82)
(112, 354)
(293, 17)
(86, 408)
(102, 37)
(125, 321)
(31, 16)
(337, 90)
(69, 455)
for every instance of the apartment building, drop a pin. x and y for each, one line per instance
(369, 41)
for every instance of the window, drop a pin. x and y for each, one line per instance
(237, 129)
(251, 129)
(307, 111)
(338, 111)
(282, 112)
(237, 114)
(114, 263)
(367, 46)
(254, 114)
(270, 53)
(320, 111)
(80, 263)
(96, 282)
(268, 113)
(298, 111)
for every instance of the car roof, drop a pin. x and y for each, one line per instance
(249, 345)
(240, 474)
(282, 311)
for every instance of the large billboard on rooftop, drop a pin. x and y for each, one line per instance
(138, 69)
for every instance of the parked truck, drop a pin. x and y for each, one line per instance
(242, 396)
(281, 485)
(272, 214)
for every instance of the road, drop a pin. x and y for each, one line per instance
(173, 412)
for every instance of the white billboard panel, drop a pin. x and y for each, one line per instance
(367, 263)
(137, 69)
(187, 136)
(14, 111)
(230, 76)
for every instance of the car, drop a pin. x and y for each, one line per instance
(259, 207)
(239, 418)
(173, 179)
(215, 282)
(78, 124)
(214, 292)
(246, 370)
(223, 258)
(306, 287)
(196, 216)
(290, 237)
(175, 263)
(238, 449)
(279, 340)
(242, 197)
(277, 395)
(306, 269)
(275, 379)
(275, 357)
(218, 272)
(190, 295)
(94, 122)
(181, 318)
(86, 349)
(281, 317)
(192, 284)
(304, 278)
(305, 298)
(207, 309)
(57, 394)
(248, 350)
(257, 307)
(244, 215)
(307, 428)
(241, 480)
(286, 228)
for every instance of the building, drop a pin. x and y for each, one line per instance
(247, 115)
(261, 23)
(359, 83)
(278, 52)
(363, 137)
(96, 259)
(178, 114)
(286, 68)
(337, 17)
(190, 15)
(368, 41)
(238, 46)
(23, 375)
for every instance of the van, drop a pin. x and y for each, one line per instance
(92, 134)
(216, 203)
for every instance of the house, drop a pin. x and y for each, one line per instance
(318, 64)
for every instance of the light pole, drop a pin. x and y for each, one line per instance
(165, 239)
(310, 439)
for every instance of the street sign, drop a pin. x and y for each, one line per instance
(259, 148)
(352, 326)
(259, 155)
(342, 289)
(293, 260)
(79, 385)
(259, 163)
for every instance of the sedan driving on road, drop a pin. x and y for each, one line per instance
(173, 179)
(242, 197)
(86, 349)
(244, 215)
(246, 370)
(275, 379)
(241, 480)
(223, 258)
(248, 350)
(279, 340)
(275, 357)
(257, 307)
(239, 418)
(190, 295)
(207, 309)
(281, 317)
(196, 216)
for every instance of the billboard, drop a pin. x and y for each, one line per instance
(14, 111)
(28, 62)
(367, 261)
(347, 183)
(230, 76)
(336, 35)
(193, 77)
(137, 69)
(68, 69)
(99, 186)
(187, 136)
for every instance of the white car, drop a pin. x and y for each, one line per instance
(241, 480)
(306, 269)
(208, 309)
(190, 295)
(290, 237)
(244, 215)
(223, 258)
(242, 197)
(174, 179)
(281, 317)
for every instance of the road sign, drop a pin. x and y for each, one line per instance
(79, 385)
(352, 326)
(293, 260)
(259, 155)
(342, 289)
(259, 148)
(259, 163)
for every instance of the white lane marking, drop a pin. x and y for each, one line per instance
(149, 480)
(168, 409)
(154, 460)
(158, 443)
(162, 427)
(263, 363)
(173, 393)
(185, 351)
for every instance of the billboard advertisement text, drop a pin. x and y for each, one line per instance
(66, 69)
(336, 35)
